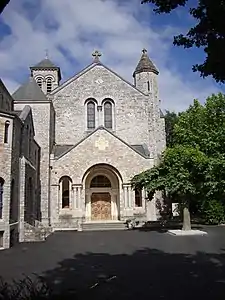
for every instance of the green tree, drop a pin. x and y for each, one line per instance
(181, 172)
(203, 126)
(171, 119)
(207, 34)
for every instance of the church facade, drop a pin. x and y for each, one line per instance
(95, 132)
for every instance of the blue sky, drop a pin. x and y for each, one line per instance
(71, 30)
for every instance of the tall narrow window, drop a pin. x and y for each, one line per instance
(148, 83)
(39, 82)
(49, 85)
(138, 197)
(6, 133)
(91, 115)
(65, 181)
(108, 115)
(1, 195)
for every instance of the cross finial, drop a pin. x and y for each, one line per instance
(46, 53)
(96, 54)
(144, 51)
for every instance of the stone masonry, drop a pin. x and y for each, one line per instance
(87, 138)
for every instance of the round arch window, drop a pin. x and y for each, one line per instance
(100, 181)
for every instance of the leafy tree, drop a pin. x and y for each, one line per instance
(181, 172)
(3, 4)
(203, 126)
(171, 119)
(208, 32)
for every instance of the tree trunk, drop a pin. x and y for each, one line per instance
(186, 218)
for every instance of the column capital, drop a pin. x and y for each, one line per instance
(126, 185)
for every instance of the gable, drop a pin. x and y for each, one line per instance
(102, 147)
(98, 70)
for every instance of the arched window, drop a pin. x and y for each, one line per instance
(91, 115)
(108, 115)
(1, 195)
(65, 191)
(6, 133)
(49, 85)
(138, 197)
(40, 82)
(100, 181)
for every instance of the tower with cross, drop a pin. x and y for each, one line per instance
(145, 74)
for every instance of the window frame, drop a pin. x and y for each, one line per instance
(39, 81)
(48, 80)
(6, 132)
(88, 121)
(110, 121)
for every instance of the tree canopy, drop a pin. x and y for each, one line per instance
(192, 169)
(3, 4)
(208, 32)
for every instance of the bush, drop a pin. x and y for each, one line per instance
(213, 212)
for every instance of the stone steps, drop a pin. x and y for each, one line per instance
(99, 226)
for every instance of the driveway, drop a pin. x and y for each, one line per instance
(125, 264)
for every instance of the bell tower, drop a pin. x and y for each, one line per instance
(46, 74)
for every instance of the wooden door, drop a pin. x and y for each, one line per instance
(100, 206)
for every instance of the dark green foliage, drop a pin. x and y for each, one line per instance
(208, 32)
(213, 212)
(171, 119)
(192, 170)
(3, 4)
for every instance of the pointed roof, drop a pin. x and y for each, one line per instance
(29, 91)
(145, 64)
(45, 63)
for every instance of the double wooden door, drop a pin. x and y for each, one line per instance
(101, 206)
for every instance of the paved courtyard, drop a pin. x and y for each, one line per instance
(125, 264)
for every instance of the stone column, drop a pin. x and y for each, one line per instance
(21, 197)
(131, 197)
(54, 202)
(125, 196)
(77, 199)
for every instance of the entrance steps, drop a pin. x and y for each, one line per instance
(108, 225)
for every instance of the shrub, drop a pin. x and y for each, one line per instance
(213, 212)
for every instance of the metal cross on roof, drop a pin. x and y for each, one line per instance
(96, 55)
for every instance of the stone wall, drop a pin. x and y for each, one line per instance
(42, 112)
(130, 110)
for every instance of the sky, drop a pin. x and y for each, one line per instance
(72, 29)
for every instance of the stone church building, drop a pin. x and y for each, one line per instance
(88, 137)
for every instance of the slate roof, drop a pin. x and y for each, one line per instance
(60, 150)
(142, 149)
(29, 91)
(45, 63)
(145, 64)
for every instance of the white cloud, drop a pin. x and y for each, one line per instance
(120, 29)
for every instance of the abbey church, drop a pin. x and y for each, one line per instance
(69, 150)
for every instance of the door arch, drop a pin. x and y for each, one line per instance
(101, 194)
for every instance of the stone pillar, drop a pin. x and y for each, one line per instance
(77, 196)
(54, 202)
(21, 197)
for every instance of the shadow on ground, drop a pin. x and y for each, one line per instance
(149, 273)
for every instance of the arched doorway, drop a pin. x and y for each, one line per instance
(102, 194)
